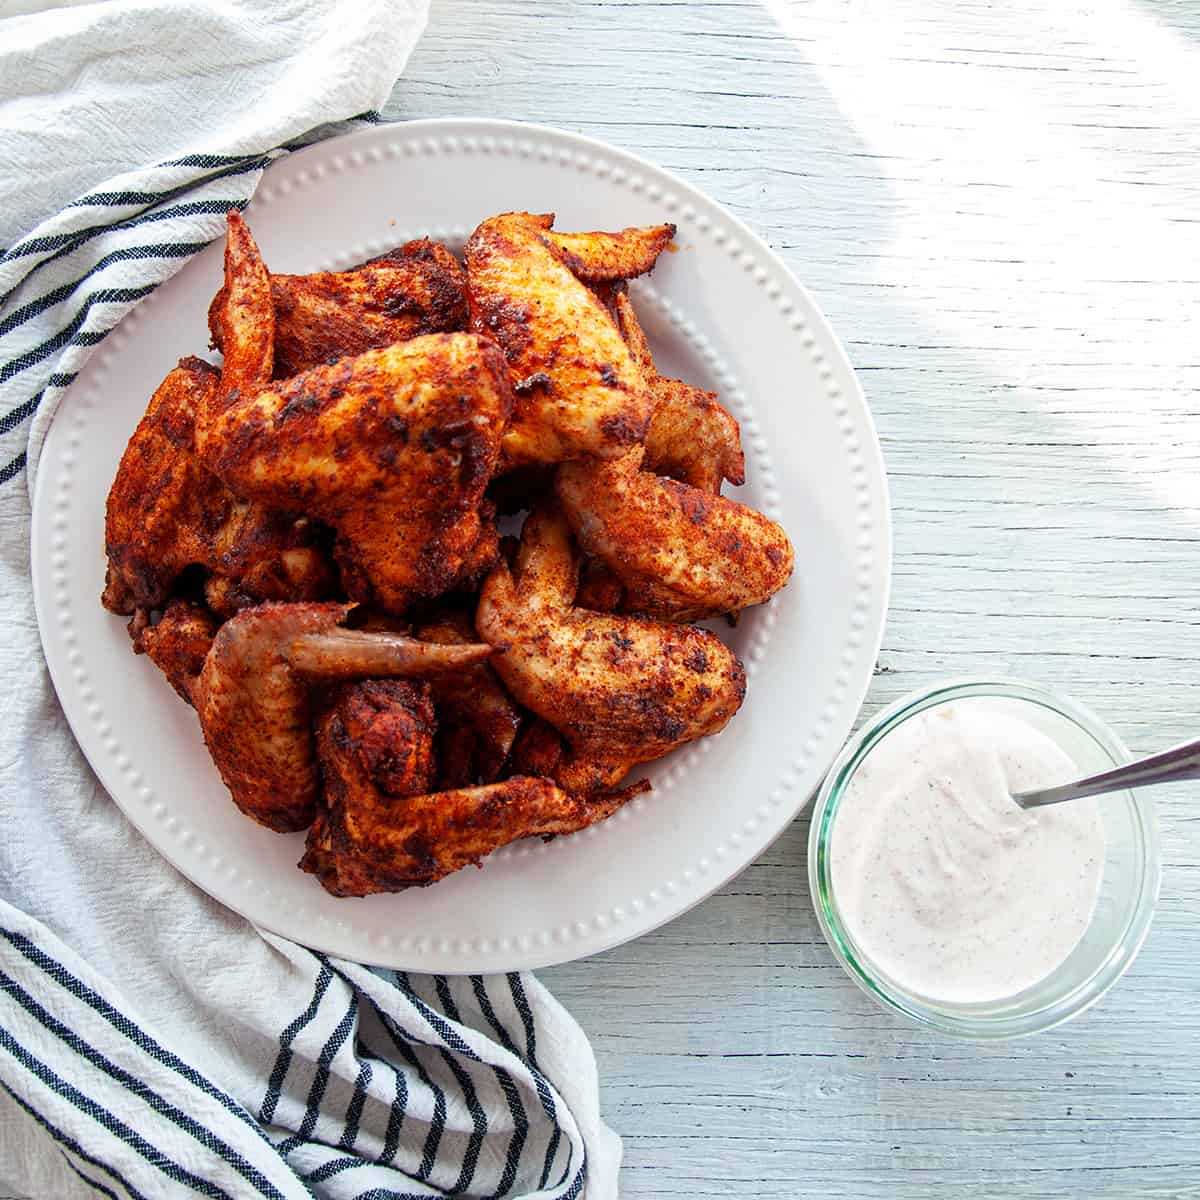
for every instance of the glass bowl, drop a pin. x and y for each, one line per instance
(1128, 888)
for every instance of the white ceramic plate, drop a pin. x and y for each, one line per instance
(722, 312)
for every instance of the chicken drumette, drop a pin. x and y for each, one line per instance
(477, 717)
(179, 643)
(381, 830)
(621, 690)
(579, 390)
(393, 448)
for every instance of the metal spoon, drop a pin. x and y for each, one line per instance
(1167, 766)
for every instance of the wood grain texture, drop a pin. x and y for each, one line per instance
(997, 206)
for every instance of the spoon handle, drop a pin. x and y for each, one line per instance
(1167, 766)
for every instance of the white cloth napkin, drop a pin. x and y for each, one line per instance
(153, 1044)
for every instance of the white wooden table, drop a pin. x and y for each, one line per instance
(998, 207)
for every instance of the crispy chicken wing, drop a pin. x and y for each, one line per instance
(151, 528)
(252, 697)
(393, 447)
(379, 833)
(579, 391)
(390, 725)
(166, 512)
(691, 437)
(416, 289)
(681, 553)
(621, 690)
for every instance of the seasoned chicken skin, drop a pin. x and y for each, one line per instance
(608, 258)
(179, 643)
(377, 832)
(416, 289)
(393, 447)
(252, 697)
(579, 392)
(244, 323)
(681, 553)
(166, 512)
(538, 750)
(621, 690)
(679, 550)
(691, 437)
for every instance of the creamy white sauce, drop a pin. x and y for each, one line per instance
(953, 890)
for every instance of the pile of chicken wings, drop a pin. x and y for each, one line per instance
(305, 541)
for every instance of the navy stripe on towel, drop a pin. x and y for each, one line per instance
(92, 1108)
(283, 1060)
(129, 1028)
(182, 1120)
(69, 1143)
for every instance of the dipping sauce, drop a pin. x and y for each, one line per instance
(946, 884)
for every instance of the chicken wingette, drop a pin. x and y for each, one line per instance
(252, 697)
(621, 690)
(393, 448)
(679, 549)
(415, 289)
(579, 392)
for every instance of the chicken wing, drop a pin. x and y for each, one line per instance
(376, 833)
(416, 289)
(681, 553)
(252, 697)
(166, 512)
(392, 447)
(579, 391)
(691, 437)
(621, 690)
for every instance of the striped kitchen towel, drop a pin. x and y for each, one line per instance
(152, 1043)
